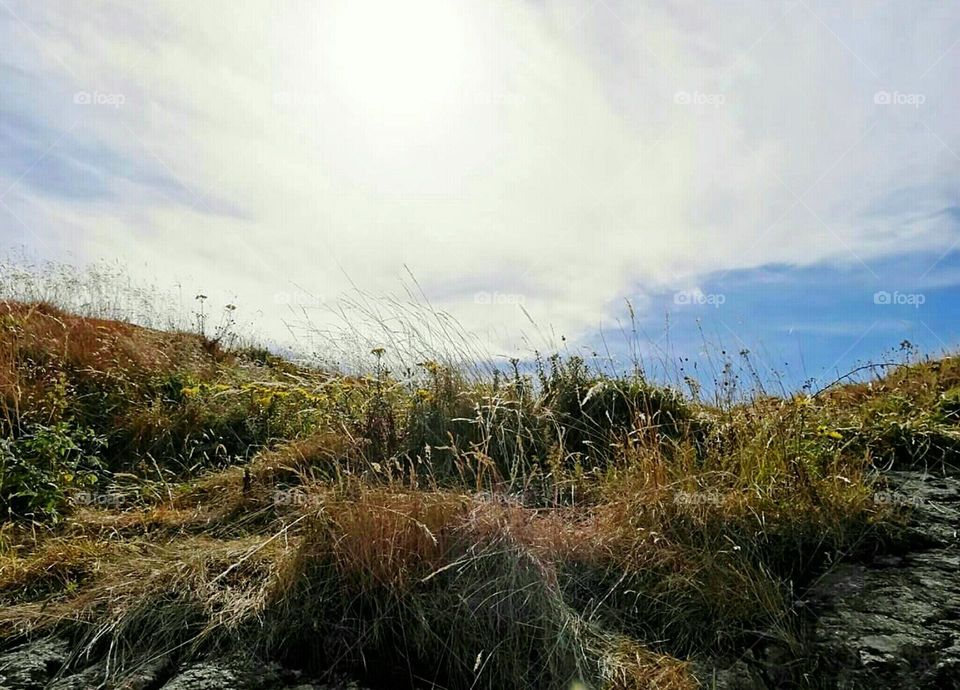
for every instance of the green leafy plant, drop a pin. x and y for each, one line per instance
(38, 469)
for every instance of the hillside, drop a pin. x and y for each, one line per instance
(170, 504)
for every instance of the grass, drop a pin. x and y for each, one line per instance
(166, 496)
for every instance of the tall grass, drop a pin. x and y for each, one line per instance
(100, 290)
(427, 517)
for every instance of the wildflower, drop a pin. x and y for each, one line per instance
(829, 433)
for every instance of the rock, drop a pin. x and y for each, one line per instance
(45, 664)
(237, 673)
(736, 675)
(205, 676)
(33, 665)
(895, 621)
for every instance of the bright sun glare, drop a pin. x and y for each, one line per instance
(403, 60)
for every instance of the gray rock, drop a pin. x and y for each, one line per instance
(33, 665)
(895, 621)
(46, 665)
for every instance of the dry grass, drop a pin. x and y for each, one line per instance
(511, 532)
(469, 584)
(466, 589)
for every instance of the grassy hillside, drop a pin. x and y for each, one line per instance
(163, 495)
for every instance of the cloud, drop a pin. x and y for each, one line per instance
(563, 156)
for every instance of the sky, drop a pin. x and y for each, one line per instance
(670, 177)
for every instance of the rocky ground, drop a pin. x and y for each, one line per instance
(46, 665)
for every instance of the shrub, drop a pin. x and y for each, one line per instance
(39, 467)
(592, 414)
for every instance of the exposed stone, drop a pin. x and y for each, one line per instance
(44, 665)
(33, 665)
(895, 621)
